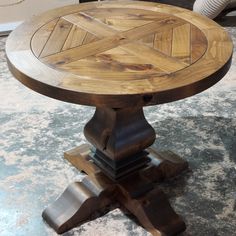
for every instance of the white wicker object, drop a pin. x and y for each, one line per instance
(210, 8)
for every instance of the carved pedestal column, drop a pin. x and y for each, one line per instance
(120, 137)
(119, 167)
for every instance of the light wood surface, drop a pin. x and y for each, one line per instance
(117, 54)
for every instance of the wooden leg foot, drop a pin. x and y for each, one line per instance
(163, 165)
(152, 210)
(80, 157)
(121, 167)
(136, 192)
(78, 202)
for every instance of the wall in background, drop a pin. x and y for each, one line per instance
(13, 12)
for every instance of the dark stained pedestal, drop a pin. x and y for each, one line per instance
(115, 56)
(122, 168)
(120, 137)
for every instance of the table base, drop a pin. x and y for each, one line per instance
(136, 192)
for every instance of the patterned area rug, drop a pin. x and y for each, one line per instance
(36, 130)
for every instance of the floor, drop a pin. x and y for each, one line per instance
(36, 130)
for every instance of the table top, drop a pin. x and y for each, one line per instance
(119, 54)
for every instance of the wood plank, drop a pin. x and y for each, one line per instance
(85, 84)
(31, 66)
(121, 56)
(124, 24)
(83, 51)
(100, 29)
(107, 75)
(198, 44)
(89, 38)
(158, 59)
(125, 14)
(198, 20)
(116, 51)
(219, 47)
(153, 27)
(57, 38)
(148, 40)
(163, 41)
(75, 38)
(181, 43)
(40, 38)
(106, 66)
(158, 7)
(90, 24)
(78, 157)
(112, 40)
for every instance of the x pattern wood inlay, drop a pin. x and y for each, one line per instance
(120, 45)
(119, 53)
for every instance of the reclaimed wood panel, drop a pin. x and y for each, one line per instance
(41, 37)
(57, 38)
(148, 40)
(75, 38)
(110, 38)
(181, 43)
(124, 24)
(163, 41)
(117, 53)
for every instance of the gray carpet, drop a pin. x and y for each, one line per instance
(36, 130)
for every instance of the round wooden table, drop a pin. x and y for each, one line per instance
(119, 57)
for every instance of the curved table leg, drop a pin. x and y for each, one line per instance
(154, 212)
(78, 202)
(148, 203)
(137, 192)
(120, 168)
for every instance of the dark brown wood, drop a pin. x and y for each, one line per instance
(136, 192)
(78, 203)
(127, 174)
(119, 136)
(154, 212)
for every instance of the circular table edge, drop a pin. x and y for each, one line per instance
(124, 99)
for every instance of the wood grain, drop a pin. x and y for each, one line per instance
(181, 43)
(75, 38)
(124, 24)
(41, 37)
(57, 38)
(163, 41)
(162, 49)
(198, 44)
